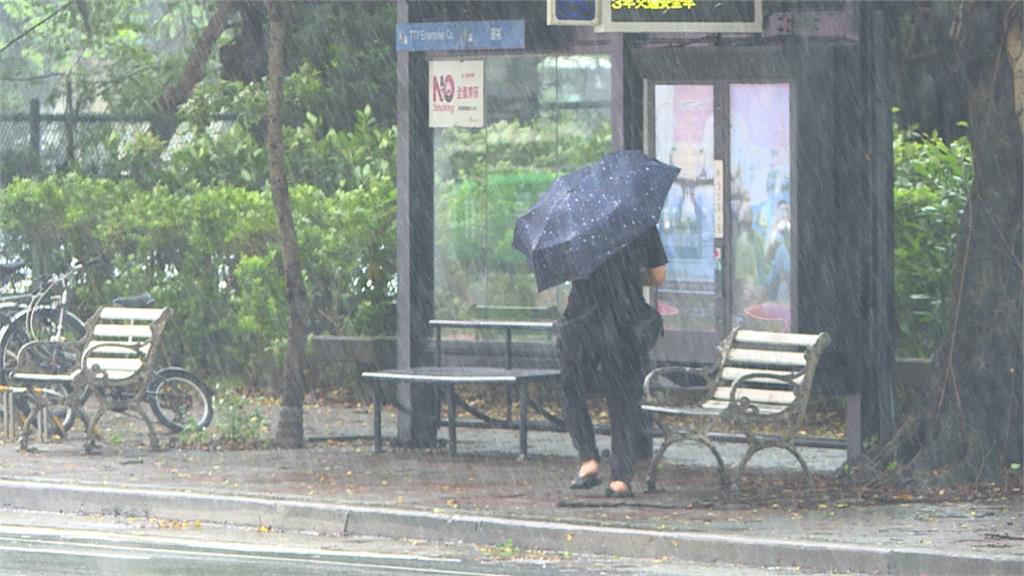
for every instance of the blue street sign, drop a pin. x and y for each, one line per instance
(452, 36)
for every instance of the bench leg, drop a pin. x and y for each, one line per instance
(154, 441)
(377, 443)
(26, 427)
(450, 389)
(754, 448)
(652, 473)
(667, 439)
(38, 415)
(803, 464)
(524, 415)
(92, 435)
(723, 475)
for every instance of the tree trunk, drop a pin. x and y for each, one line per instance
(289, 427)
(969, 425)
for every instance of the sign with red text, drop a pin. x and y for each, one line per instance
(456, 93)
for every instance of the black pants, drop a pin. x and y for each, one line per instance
(587, 353)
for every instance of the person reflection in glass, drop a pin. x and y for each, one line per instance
(596, 343)
(777, 252)
(751, 268)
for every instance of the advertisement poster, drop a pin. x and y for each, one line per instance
(761, 205)
(684, 135)
(456, 93)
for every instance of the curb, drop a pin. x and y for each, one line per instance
(356, 520)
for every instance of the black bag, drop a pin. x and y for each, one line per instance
(648, 328)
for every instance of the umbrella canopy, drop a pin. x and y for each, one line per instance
(592, 213)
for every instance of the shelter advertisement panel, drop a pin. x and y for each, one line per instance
(456, 93)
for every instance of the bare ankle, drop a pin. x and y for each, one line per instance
(588, 467)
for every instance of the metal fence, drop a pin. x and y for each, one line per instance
(35, 143)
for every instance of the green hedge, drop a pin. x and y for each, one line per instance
(932, 180)
(195, 226)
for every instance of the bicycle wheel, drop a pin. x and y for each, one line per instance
(41, 325)
(179, 397)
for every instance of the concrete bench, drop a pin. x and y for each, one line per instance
(760, 378)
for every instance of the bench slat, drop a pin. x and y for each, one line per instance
(120, 374)
(42, 377)
(142, 332)
(757, 395)
(138, 314)
(130, 364)
(771, 358)
(777, 338)
(439, 378)
(515, 325)
(681, 410)
(769, 409)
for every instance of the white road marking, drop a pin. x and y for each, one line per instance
(222, 555)
(69, 552)
(120, 539)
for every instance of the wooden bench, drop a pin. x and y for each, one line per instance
(760, 378)
(114, 359)
(447, 377)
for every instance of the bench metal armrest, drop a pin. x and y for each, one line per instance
(25, 353)
(134, 349)
(703, 372)
(788, 379)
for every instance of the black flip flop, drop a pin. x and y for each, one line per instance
(585, 482)
(627, 493)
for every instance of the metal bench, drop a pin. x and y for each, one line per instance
(760, 378)
(447, 377)
(114, 359)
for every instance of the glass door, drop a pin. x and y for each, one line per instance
(727, 219)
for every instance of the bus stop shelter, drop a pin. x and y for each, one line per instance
(776, 112)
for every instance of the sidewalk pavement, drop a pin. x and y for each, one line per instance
(486, 495)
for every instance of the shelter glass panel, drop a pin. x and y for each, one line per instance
(544, 116)
(684, 136)
(759, 199)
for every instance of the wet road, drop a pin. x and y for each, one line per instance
(37, 544)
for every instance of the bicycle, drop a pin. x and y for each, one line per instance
(39, 316)
(177, 397)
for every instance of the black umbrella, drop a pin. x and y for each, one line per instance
(591, 214)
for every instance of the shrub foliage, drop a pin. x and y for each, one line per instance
(932, 179)
(194, 225)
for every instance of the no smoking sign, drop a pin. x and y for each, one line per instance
(456, 93)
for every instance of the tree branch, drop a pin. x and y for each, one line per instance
(195, 68)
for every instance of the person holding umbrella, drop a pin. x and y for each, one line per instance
(596, 227)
